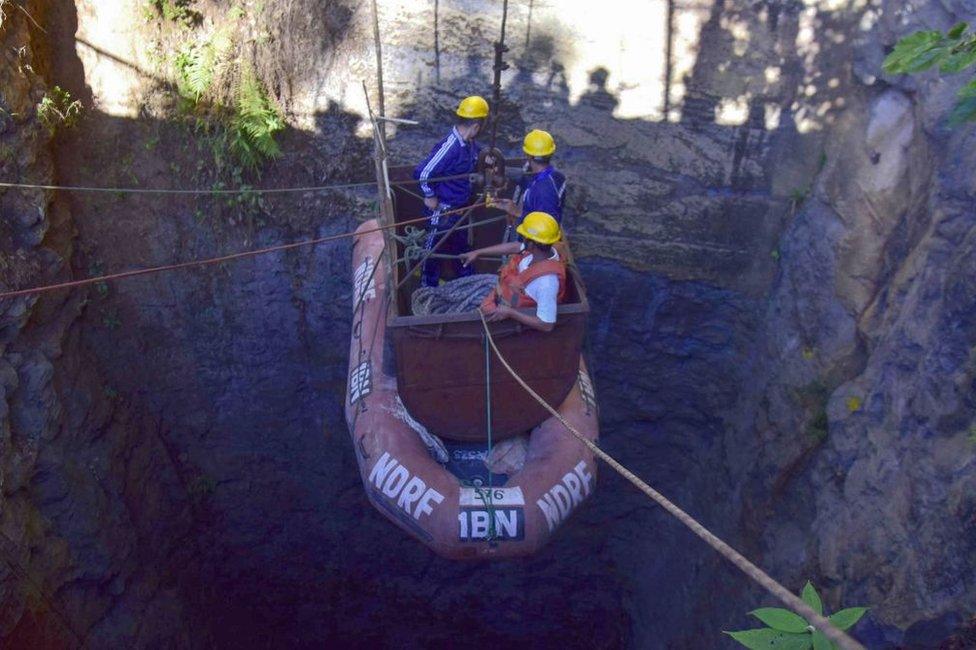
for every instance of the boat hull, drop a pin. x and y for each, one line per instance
(420, 495)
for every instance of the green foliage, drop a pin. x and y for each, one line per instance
(965, 109)
(821, 642)
(951, 52)
(810, 596)
(111, 320)
(799, 194)
(57, 110)
(255, 123)
(178, 11)
(814, 397)
(846, 618)
(788, 631)
(198, 65)
(244, 131)
(768, 638)
(201, 487)
(819, 426)
(781, 620)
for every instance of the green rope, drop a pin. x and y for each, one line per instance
(488, 502)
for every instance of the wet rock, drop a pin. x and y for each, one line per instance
(782, 331)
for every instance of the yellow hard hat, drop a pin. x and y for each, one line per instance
(538, 144)
(473, 108)
(540, 227)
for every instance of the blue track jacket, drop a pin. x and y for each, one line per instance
(543, 192)
(450, 156)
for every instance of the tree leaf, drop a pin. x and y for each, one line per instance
(965, 111)
(958, 61)
(957, 30)
(917, 52)
(821, 642)
(780, 619)
(969, 90)
(846, 618)
(767, 639)
(812, 598)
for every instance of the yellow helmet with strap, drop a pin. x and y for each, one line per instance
(540, 227)
(538, 144)
(473, 108)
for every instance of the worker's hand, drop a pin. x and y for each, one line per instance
(508, 205)
(501, 312)
(432, 202)
(468, 258)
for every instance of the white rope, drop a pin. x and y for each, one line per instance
(740, 561)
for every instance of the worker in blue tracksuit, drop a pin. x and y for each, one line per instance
(455, 154)
(543, 189)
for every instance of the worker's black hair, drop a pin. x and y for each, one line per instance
(545, 249)
(464, 121)
(542, 160)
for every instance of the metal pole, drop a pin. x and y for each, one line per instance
(500, 65)
(381, 100)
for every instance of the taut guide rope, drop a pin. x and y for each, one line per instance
(240, 190)
(740, 561)
(208, 261)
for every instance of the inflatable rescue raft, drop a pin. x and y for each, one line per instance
(416, 409)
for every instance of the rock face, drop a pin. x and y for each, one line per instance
(777, 244)
(92, 533)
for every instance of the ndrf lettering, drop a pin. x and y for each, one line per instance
(364, 284)
(563, 497)
(395, 481)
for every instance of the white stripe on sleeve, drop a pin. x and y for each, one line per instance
(432, 163)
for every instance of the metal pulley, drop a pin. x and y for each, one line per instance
(491, 168)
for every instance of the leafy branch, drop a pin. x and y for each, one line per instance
(788, 631)
(952, 52)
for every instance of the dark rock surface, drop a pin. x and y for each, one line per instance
(782, 337)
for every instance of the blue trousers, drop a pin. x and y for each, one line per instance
(455, 244)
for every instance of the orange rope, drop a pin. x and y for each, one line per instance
(207, 261)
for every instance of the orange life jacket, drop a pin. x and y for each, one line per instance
(511, 283)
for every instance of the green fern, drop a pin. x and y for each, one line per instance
(255, 123)
(198, 65)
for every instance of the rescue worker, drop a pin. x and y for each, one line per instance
(456, 154)
(543, 188)
(533, 277)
